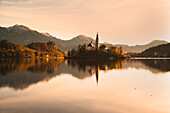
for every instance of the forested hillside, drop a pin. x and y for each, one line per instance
(158, 51)
(36, 49)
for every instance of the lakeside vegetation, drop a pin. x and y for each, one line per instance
(35, 49)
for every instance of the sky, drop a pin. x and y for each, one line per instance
(117, 21)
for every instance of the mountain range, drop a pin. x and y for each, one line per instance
(20, 34)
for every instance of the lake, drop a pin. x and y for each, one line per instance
(84, 86)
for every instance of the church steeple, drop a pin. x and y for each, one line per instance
(97, 42)
(97, 36)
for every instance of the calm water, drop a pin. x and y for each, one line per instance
(58, 86)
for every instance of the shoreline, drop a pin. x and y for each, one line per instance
(150, 58)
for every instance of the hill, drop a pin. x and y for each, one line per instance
(158, 51)
(19, 34)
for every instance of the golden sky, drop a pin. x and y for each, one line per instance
(117, 21)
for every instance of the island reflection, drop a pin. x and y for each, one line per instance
(21, 73)
(95, 65)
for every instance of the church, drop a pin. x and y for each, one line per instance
(94, 50)
(92, 47)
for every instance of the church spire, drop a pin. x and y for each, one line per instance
(97, 42)
(97, 36)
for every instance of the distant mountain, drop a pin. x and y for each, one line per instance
(66, 45)
(19, 34)
(138, 48)
(158, 51)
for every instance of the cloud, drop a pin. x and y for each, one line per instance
(11, 17)
(13, 0)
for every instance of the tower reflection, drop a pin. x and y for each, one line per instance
(93, 66)
(97, 74)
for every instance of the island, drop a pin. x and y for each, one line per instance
(93, 51)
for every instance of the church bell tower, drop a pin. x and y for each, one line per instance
(97, 42)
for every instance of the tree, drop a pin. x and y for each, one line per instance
(84, 47)
(19, 53)
(73, 52)
(120, 50)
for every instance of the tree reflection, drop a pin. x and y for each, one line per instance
(21, 73)
(34, 65)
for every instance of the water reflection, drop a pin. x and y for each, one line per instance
(155, 66)
(21, 73)
(95, 65)
(34, 65)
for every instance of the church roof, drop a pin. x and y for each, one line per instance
(90, 45)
